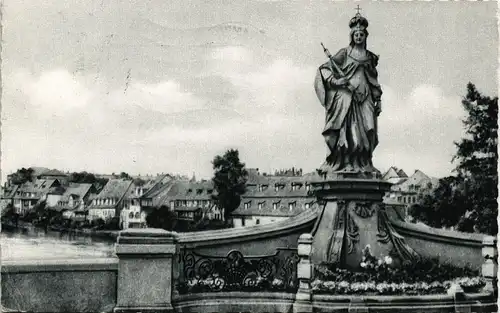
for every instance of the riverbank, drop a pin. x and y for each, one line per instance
(25, 227)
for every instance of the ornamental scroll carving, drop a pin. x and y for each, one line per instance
(387, 233)
(364, 209)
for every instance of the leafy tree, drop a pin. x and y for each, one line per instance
(139, 182)
(112, 223)
(124, 175)
(88, 178)
(162, 217)
(230, 177)
(22, 175)
(469, 200)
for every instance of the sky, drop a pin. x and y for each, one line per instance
(156, 86)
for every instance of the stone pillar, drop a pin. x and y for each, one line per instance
(145, 270)
(304, 274)
(490, 265)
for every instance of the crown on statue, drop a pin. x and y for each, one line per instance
(358, 22)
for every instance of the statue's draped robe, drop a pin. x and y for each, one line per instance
(351, 121)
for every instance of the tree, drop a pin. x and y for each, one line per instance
(469, 199)
(124, 175)
(162, 217)
(230, 177)
(88, 178)
(22, 175)
(139, 182)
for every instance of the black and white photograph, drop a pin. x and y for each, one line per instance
(281, 156)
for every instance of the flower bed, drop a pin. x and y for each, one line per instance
(214, 284)
(379, 276)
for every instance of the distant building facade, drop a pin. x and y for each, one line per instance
(270, 199)
(109, 202)
(405, 190)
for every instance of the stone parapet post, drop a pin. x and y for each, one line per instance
(490, 265)
(145, 270)
(304, 274)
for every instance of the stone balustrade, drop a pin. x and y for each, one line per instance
(143, 278)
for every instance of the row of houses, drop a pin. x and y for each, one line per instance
(268, 198)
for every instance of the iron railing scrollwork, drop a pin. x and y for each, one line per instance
(236, 272)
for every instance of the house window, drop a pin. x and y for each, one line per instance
(276, 188)
(137, 215)
(131, 215)
(308, 205)
(308, 187)
(275, 206)
(257, 221)
(291, 205)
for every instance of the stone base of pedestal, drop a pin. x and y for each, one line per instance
(352, 217)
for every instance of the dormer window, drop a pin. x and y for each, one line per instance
(308, 187)
(276, 187)
(199, 191)
(291, 205)
(261, 205)
(308, 205)
(209, 191)
(190, 190)
(247, 205)
(275, 205)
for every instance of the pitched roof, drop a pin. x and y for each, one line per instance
(150, 185)
(250, 207)
(38, 186)
(186, 190)
(80, 190)
(114, 189)
(9, 193)
(392, 172)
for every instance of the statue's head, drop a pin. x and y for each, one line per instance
(359, 32)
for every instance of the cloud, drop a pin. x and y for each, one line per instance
(273, 117)
(417, 130)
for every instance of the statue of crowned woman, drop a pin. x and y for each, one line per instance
(348, 89)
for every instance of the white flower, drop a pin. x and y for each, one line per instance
(388, 260)
(363, 264)
(379, 262)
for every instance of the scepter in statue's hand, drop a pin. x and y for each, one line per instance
(334, 65)
(332, 62)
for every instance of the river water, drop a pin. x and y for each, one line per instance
(38, 245)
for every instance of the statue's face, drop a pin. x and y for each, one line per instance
(359, 37)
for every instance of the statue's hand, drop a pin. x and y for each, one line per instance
(342, 81)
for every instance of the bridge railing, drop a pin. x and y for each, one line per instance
(237, 272)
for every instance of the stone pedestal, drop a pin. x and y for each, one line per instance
(351, 217)
(145, 270)
(303, 298)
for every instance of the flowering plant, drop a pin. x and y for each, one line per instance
(371, 263)
(380, 276)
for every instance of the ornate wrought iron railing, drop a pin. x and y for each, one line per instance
(236, 272)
